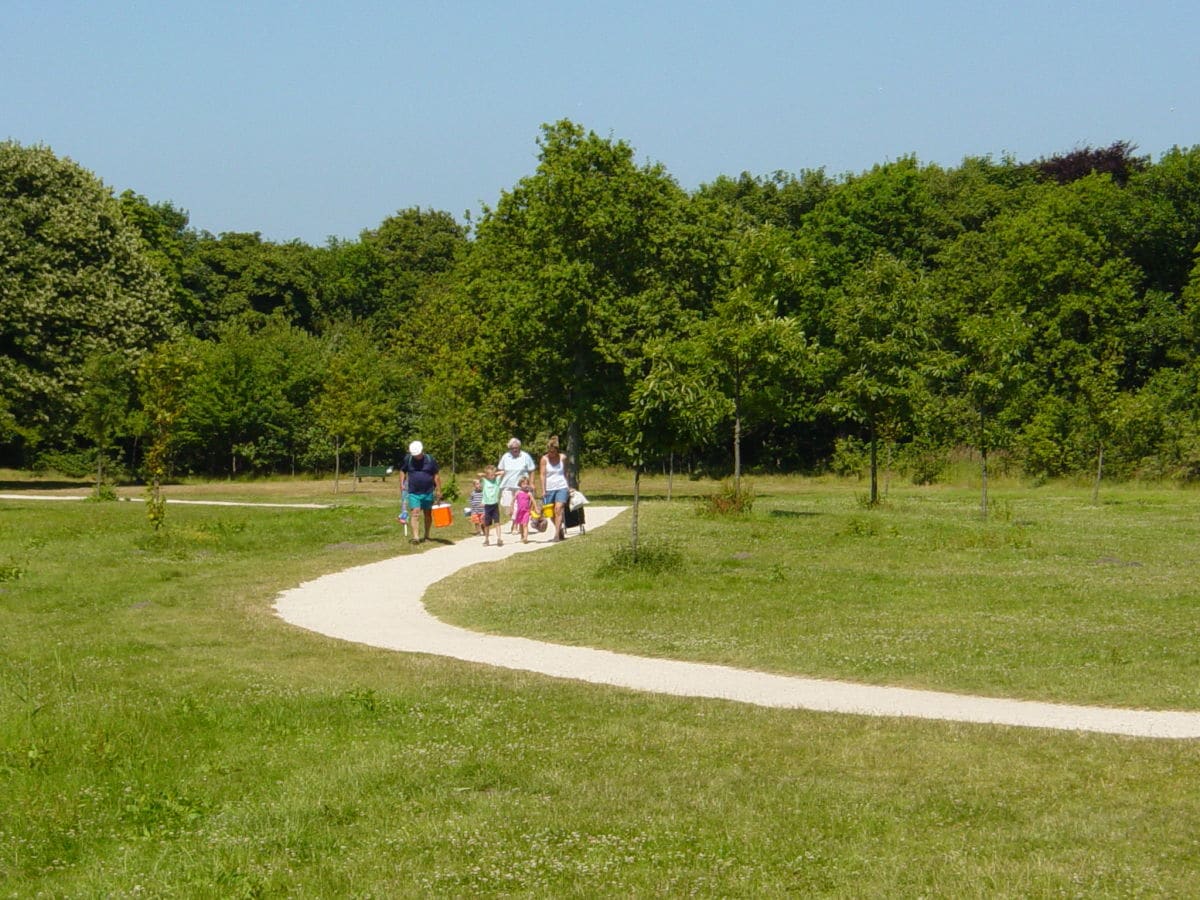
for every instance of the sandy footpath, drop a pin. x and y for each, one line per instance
(380, 605)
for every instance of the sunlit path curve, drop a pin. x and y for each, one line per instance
(380, 605)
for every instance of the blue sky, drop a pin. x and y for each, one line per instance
(309, 120)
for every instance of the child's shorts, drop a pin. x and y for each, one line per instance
(491, 514)
(477, 518)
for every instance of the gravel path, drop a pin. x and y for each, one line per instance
(380, 605)
(169, 500)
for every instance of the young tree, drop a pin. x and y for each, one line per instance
(990, 369)
(360, 402)
(670, 407)
(880, 339)
(105, 404)
(755, 357)
(163, 376)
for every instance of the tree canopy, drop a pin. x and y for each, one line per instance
(1046, 310)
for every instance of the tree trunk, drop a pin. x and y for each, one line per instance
(983, 469)
(887, 469)
(670, 475)
(633, 537)
(574, 440)
(983, 475)
(1099, 473)
(874, 468)
(737, 451)
(337, 464)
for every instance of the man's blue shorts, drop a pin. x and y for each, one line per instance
(422, 501)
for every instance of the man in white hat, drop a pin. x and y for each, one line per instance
(419, 476)
(513, 466)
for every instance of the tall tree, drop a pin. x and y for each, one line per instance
(572, 271)
(239, 275)
(74, 280)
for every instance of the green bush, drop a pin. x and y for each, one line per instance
(850, 457)
(653, 557)
(729, 500)
(71, 463)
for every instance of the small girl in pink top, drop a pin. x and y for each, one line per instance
(522, 506)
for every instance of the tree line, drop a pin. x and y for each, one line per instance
(1041, 313)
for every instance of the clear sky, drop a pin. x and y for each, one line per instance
(306, 120)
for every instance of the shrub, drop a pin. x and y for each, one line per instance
(653, 557)
(71, 463)
(850, 457)
(729, 500)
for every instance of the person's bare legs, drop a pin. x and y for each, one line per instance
(560, 533)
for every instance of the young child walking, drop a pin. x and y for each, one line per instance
(490, 483)
(475, 505)
(522, 507)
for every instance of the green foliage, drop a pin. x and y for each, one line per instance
(882, 337)
(574, 269)
(106, 405)
(450, 490)
(71, 463)
(163, 380)
(247, 398)
(74, 281)
(652, 557)
(851, 456)
(239, 276)
(1047, 311)
(361, 402)
(104, 493)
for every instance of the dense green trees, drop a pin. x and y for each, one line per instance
(1048, 311)
(74, 281)
(572, 272)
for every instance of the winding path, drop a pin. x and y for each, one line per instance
(380, 605)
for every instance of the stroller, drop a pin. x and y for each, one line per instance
(573, 516)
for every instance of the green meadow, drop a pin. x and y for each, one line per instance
(164, 734)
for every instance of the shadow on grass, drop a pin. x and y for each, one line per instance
(16, 486)
(793, 514)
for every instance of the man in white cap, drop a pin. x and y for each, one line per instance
(513, 466)
(419, 476)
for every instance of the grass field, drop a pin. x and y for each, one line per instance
(163, 734)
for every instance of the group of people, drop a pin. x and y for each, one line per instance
(505, 487)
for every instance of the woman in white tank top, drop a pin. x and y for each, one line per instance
(553, 470)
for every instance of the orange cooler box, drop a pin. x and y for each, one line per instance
(442, 515)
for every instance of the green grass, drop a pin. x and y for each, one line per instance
(1052, 599)
(163, 734)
